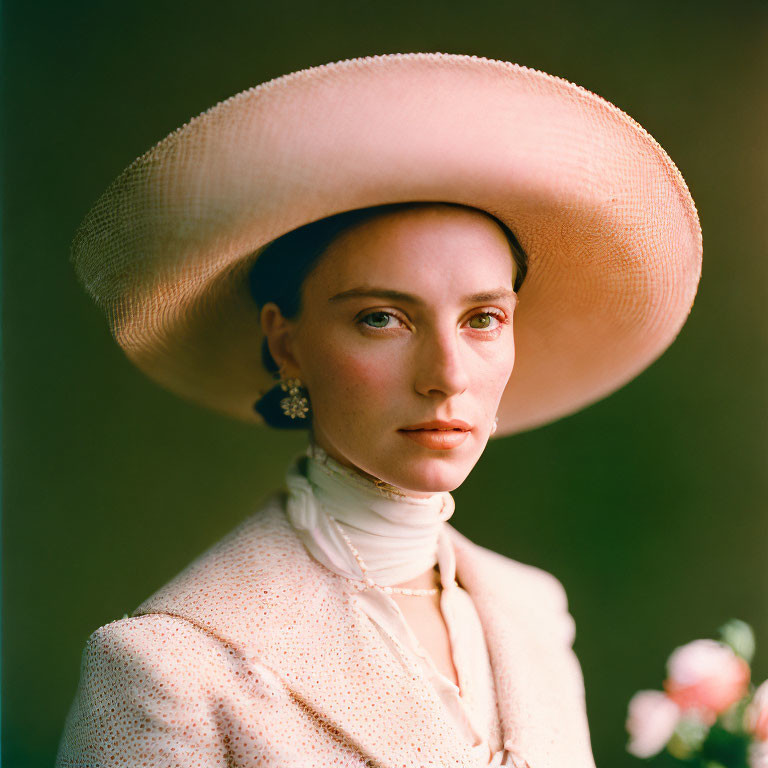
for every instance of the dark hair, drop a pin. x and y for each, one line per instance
(284, 264)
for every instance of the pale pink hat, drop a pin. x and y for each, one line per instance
(610, 229)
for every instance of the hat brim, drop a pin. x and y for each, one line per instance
(610, 229)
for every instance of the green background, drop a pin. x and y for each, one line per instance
(649, 506)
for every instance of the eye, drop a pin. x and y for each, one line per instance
(484, 321)
(379, 320)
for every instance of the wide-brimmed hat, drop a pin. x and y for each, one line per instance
(610, 229)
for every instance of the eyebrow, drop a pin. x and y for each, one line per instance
(385, 293)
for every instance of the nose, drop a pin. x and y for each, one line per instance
(440, 367)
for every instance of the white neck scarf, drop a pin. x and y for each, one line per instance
(395, 534)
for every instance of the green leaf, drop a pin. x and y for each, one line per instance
(740, 637)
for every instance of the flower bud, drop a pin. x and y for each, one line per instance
(651, 721)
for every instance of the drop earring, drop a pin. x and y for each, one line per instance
(296, 405)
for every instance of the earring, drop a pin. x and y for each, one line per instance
(296, 405)
(495, 425)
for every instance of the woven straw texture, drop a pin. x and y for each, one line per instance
(611, 231)
(256, 656)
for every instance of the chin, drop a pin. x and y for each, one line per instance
(426, 473)
(431, 476)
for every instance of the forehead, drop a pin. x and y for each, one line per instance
(430, 250)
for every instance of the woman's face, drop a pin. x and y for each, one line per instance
(405, 344)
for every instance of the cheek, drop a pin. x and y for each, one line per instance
(493, 366)
(353, 383)
(489, 380)
(489, 392)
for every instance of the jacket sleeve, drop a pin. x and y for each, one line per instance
(147, 697)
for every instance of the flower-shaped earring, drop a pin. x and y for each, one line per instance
(296, 405)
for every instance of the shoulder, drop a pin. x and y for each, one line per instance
(142, 685)
(170, 634)
(541, 582)
(133, 650)
(245, 582)
(153, 690)
(254, 551)
(528, 591)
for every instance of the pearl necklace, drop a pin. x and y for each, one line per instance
(369, 582)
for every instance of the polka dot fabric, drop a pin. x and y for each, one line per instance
(254, 656)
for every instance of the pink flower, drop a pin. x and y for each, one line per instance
(651, 721)
(756, 716)
(706, 676)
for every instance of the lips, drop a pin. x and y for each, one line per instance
(438, 435)
(440, 425)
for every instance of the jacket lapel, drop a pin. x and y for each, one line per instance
(397, 718)
(529, 632)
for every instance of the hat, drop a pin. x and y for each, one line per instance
(611, 232)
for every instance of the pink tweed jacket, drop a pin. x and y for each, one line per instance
(255, 656)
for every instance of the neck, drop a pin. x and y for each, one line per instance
(323, 453)
(394, 533)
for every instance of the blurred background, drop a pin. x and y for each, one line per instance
(650, 507)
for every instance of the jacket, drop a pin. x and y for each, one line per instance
(255, 656)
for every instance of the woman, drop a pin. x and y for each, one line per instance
(360, 232)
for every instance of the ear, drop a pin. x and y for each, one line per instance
(279, 332)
